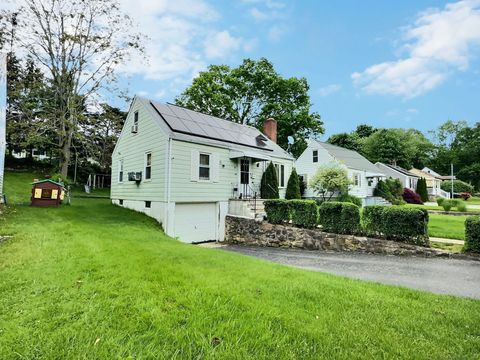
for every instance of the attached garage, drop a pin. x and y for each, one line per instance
(196, 222)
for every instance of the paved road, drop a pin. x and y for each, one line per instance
(437, 275)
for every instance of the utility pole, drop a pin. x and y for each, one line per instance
(3, 115)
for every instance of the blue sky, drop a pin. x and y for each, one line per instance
(384, 63)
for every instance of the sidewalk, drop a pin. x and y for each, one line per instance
(447, 241)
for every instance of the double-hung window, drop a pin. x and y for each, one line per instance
(148, 166)
(315, 156)
(204, 167)
(120, 170)
(356, 179)
(280, 174)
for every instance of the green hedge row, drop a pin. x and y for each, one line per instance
(339, 217)
(408, 225)
(401, 224)
(302, 213)
(472, 234)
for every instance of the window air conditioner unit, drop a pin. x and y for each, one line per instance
(134, 129)
(135, 176)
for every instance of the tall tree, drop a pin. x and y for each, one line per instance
(253, 92)
(345, 140)
(80, 44)
(28, 124)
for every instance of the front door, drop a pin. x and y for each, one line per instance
(245, 177)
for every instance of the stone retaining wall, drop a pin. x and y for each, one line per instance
(241, 230)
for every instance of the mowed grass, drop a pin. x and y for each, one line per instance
(17, 186)
(447, 226)
(94, 280)
(439, 208)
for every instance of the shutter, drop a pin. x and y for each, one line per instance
(215, 167)
(194, 165)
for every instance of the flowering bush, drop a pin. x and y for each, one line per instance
(465, 195)
(411, 197)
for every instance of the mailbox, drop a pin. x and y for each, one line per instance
(47, 193)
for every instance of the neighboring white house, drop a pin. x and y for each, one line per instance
(434, 173)
(433, 183)
(363, 174)
(37, 154)
(408, 179)
(182, 167)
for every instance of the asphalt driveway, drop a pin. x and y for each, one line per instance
(437, 275)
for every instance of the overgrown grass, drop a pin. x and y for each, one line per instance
(447, 226)
(93, 280)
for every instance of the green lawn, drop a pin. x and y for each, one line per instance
(93, 280)
(474, 200)
(447, 226)
(439, 208)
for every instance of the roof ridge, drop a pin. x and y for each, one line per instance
(216, 117)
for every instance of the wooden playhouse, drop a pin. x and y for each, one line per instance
(47, 193)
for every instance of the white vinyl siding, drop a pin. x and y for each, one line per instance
(224, 173)
(131, 149)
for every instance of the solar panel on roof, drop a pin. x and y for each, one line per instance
(191, 122)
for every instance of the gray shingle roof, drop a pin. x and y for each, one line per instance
(184, 121)
(401, 170)
(350, 158)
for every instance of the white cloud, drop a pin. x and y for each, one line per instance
(258, 14)
(183, 35)
(221, 44)
(439, 42)
(329, 89)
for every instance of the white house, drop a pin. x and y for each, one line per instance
(183, 168)
(433, 183)
(408, 179)
(363, 173)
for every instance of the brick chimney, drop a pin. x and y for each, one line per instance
(270, 129)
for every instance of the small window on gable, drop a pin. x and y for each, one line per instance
(315, 156)
(204, 167)
(357, 180)
(148, 166)
(135, 122)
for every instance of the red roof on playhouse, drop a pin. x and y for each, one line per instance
(47, 193)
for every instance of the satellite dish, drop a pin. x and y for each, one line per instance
(290, 140)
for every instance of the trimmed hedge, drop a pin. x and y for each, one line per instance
(400, 224)
(277, 210)
(339, 218)
(304, 213)
(472, 234)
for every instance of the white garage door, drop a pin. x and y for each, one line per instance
(196, 222)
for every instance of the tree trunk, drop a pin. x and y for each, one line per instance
(65, 154)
